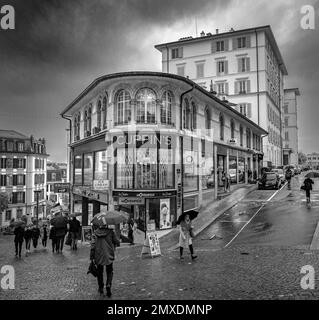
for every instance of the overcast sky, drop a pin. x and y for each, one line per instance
(60, 46)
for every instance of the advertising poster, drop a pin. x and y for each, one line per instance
(165, 216)
(154, 244)
(86, 234)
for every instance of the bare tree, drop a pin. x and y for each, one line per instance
(4, 201)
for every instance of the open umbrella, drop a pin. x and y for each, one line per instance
(192, 215)
(109, 218)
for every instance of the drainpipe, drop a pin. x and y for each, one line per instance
(257, 61)
(182, 144)
(70, 139)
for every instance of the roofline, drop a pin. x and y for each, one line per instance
(156, 74)
(296, 90)
(266, 28)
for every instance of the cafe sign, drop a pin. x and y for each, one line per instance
(131, 200)
(151, 194)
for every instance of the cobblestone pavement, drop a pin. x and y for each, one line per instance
(245, 272)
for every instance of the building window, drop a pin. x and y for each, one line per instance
(221, 127)
(100, 168)
(177, 53)
(8, 215)
(243, 64)
(78, 170)
(89, 122)
(104, 112)
(248, 138)
(241, 42)
(243, 109)
(207, 122)
(87, 169)
(286, 135)
(200, 70)
(85, 122)
(18, 197)
(20, 146)
(222, 67)
(194, 116)
(9, 145)
(242, 86)
(181, 71)
(187, 115)
(75, 126)
(123, 111)
(241, 136)
(286, 122)
(222, 88)
(98, 114)
(166, 108)
(285, 107)
(146, 106)
(220, 46)
(19, 213)
(232, 129)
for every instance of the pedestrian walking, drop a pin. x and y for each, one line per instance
(18, 239)
(74, 229)
(308, 182)
(52, 236)
(44, 235)
(28, 237)
(60, 224)
(130, 231)
(224, 179)
(35, 236)
(185, 237)
(288, 177)
(103, 244)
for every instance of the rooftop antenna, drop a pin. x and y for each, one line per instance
(196, 25)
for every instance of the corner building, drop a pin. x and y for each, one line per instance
(155, 145)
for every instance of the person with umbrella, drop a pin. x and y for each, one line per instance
(103, 244)
(18, 226)
(307, 186)
(186, 233)
(60, 224)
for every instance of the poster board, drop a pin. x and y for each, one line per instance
(151, 245)
(86, 234)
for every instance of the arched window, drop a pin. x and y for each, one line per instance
(146, 106)
(75, 127)
(194, 116)
(248, 138)
(187, 116)
(123, 110)
(166, 108)
(221, 127)
(98, 114)
(104, 112)
(207, 122)
(89, 123)
(232, 129)
(241, 136)
(85, 122)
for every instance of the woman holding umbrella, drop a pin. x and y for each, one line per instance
(185, 235)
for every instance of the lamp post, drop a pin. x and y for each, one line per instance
(36, 192)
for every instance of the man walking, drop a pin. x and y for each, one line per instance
(308, 187)
(74, 229)
(288, 177)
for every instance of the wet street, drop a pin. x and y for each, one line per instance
(266, 217)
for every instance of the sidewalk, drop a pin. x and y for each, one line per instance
(208, 214)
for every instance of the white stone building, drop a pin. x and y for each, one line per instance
(244, 67)
(290, 118)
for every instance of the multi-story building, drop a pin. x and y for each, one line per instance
(149, 141)
(313, 160)
(56, 174)
(290, 127)
(22, 174)
(242, 66)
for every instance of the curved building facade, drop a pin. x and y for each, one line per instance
(155, 145)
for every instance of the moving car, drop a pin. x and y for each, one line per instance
(269, 180)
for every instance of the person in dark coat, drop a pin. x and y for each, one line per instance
(28, 237)
(130, 231)
(60, 224)
(74, 229)
(18, 239)
(44, 236)
(53, 238)
(35, 236)
(102, 253)
(308, 187)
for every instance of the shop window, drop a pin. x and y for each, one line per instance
(123, 111)
(100, 168)
(87, 169)
(124, 168)
(146, 168)
(190, 160)
(146, 106)
(166, 164)
(78, 170)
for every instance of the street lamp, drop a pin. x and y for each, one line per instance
(36, 192)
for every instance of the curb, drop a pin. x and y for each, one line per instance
(215, 217)
(315, 239)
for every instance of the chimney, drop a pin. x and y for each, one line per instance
(202, 34)
(217, 31)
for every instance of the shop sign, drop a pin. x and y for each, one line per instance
(131, 200)
(91, 194)
(151, 194)
(101, 184)
(179, 195)
(61, 187)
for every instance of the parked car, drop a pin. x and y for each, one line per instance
(269, 180)
(281, 175)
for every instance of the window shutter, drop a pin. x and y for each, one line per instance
(248, 43)
(226, 88)
(239, 65)
(248, 64)
(24, 163)
(248, 86)
(226, 67)
(248, 110)
(226, 44)
(23, 179)
(234, 43)
(214, 46)
(236, 87)
(217, 71)
(180, 52)
(15, 180)
(23, 197)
